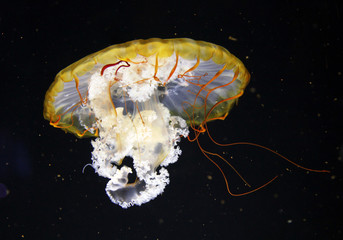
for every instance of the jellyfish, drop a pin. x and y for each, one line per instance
(138, 99)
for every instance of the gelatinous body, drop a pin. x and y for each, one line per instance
(138, 99)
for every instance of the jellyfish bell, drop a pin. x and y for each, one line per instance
(139, 99)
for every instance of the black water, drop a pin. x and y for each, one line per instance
(293, 104)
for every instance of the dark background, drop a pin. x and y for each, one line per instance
(293, 104)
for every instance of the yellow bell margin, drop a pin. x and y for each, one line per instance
(183, 47)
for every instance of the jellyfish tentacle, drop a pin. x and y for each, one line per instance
(225, 178)
(173, 69)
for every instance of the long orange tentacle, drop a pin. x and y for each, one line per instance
(265, 148)
(225, 179)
